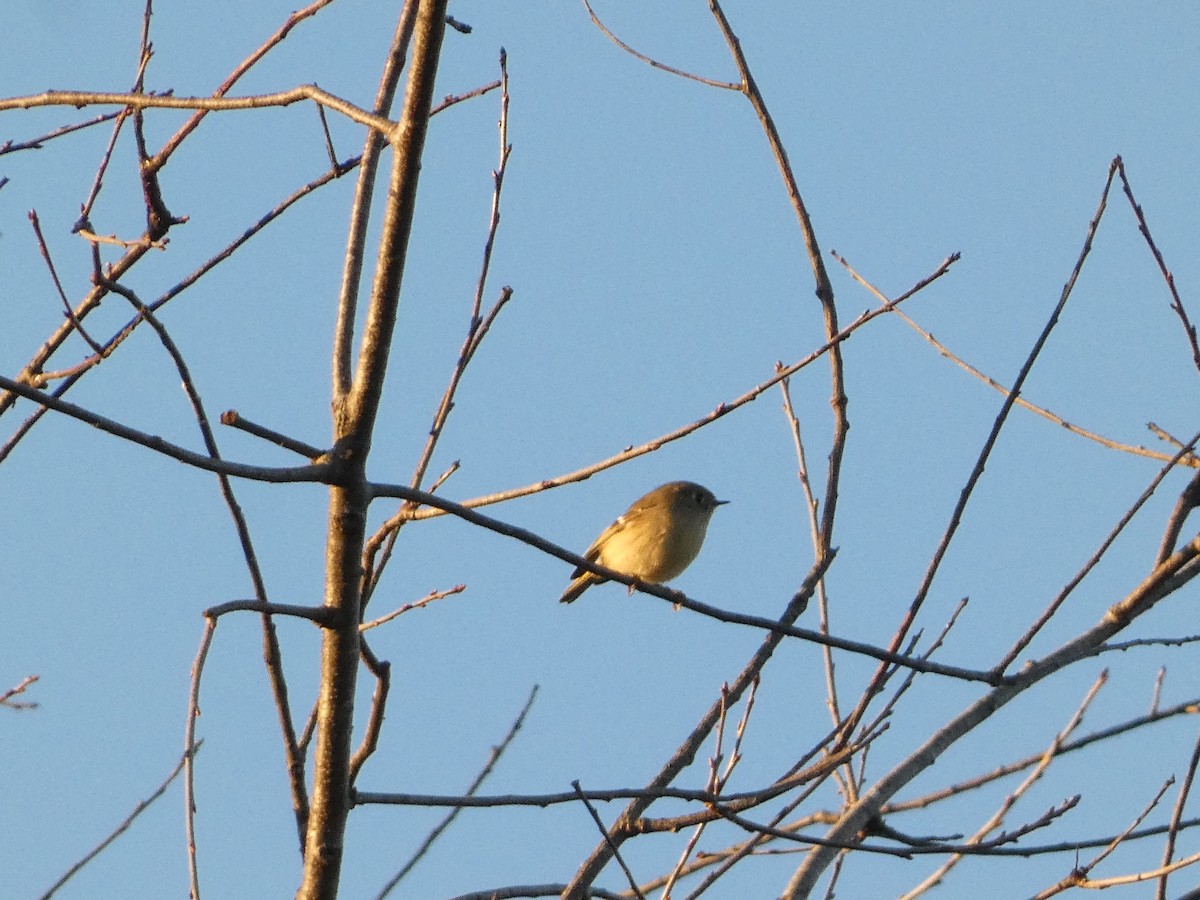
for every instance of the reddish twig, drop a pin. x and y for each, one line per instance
(711, 82)
(6, 697)
(1176, 303)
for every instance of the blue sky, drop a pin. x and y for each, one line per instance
(657, 271)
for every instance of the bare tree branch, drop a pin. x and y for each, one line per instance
(494, 757)
(123, 827)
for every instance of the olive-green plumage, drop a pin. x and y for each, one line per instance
(654, 540)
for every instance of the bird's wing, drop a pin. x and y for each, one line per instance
(593, 552)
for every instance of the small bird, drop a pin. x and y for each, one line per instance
(655, 540)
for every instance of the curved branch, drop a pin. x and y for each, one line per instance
(654, 63)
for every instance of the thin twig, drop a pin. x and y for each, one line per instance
(453, 99)
(329, 151)
(736, 800)
(997, 818)
(721, 410)
(272, 655)
(135, 101)
(1055, 604)
(441, 479)
(478, 327)
(727, 85)
(382, 670)
(1176, 817)
(45, 251)
(124, 826)
(318, 614)
(416, 604)
(144, 54)
(313, 473)
(6, 697)
(113, 240)
(608, 840)
(1176, 303)
(811, 506)
(1156, 695)
(493, 758)
(989, 444)
(943, 350)
(1189, 499)
(38, 143)
(691, 744)
(189, 749)
(838, 400)
(1079, 875)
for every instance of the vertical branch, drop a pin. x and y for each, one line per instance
(478, 327)
(272, 654)
(354, 414)
(824, 291)
(605, 851)
(1176, 818)
(811, 507)
(189, 756)
(361, 211)
(839, 400)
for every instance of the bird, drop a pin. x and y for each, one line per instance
(654, 540)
